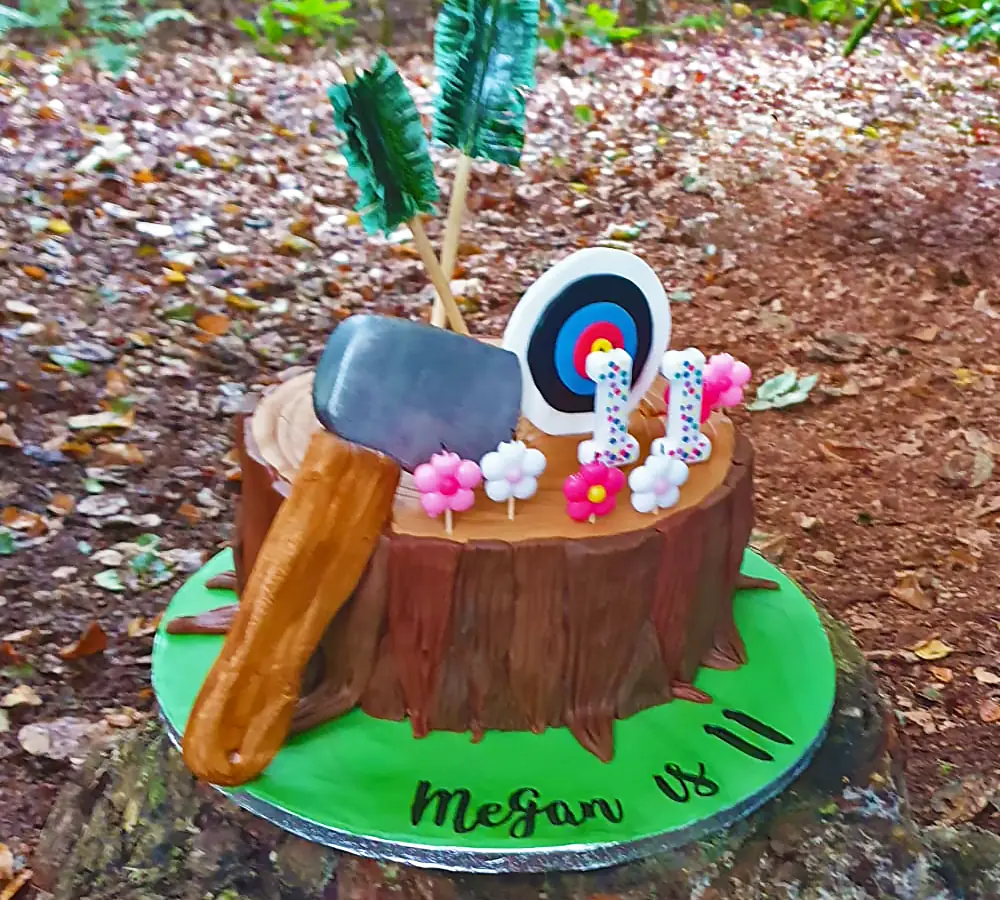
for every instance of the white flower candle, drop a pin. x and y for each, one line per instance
(511, 472)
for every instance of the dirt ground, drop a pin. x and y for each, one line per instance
(837, 217)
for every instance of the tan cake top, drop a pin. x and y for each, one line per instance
(284, 422)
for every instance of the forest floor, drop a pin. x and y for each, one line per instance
(174, 240)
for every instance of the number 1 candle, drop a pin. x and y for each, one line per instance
(610, 369)
(685, 374)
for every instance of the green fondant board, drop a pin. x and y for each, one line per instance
(518, 801)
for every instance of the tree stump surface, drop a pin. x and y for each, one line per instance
(135, 825)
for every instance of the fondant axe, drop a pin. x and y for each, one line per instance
(389, 393)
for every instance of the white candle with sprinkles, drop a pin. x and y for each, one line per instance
(611, 370)
(684, 371)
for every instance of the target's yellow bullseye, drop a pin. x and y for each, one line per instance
(601, 345)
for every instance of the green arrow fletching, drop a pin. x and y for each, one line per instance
(485, 56)
(386, 148)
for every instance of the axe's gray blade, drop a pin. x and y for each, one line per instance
(409, 390)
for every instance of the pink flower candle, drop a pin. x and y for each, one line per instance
(446, 485)
(592, 491)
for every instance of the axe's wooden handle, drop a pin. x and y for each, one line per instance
(314, 555)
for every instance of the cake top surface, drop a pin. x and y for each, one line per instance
(284, 421)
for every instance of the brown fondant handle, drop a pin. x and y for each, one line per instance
(314, 555)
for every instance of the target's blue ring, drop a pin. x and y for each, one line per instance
(570, 333)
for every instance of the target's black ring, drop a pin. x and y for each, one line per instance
(577, 295)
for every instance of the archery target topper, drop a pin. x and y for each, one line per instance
(599, 298)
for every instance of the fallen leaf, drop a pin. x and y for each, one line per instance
(23, 877)
(942, 674)
(982, 469)
(92, 641)
(826, 557)
(22, 695)
(140, 627)
(117, 454)
(926, 334)
(116, 384)
(8, 438)
(920, 717)
(989, 711)
(23, 520)
(59, 226)
(61, 504)
(965, 377)
(100, 505)
(65, 738)
(214, 324)
(107, 419)
(908, 591)
(961, 801)
(34, 272)
(985, 676)
(22, 309)
(932, 649)
(190, 513)
(110, 580)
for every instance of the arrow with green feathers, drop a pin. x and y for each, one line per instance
(484, 51)
(387, 156)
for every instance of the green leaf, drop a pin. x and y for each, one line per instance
(14, 18)
(780, 384)
(6, 542)
(159, 16)
(70, 363)
(484, 51)
(116, 59)
(247, 27)
(93, 486)
(386, 148)
(109, 580)
(584, 113)
(184, 313)
(864, 27)
(151, 541)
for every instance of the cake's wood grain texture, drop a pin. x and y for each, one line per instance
(544, 622)
(538, 646)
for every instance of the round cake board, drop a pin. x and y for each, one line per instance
(517, 801)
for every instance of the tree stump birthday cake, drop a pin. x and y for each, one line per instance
(533, 620)
(516, 562)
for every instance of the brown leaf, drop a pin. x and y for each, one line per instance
(826, 557)
(61, 504)
(117, 454)
(214, 324)
(76, 449)
(8, 438)
(140, 627)
(116, 384)
(942, 674)
(91, 642)
(23, 520)
(190, 513)
(961, 801)
(6, 863)
(989, 711)
(926, 334)
(908, 591)
(23, 877)
(932, 649)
